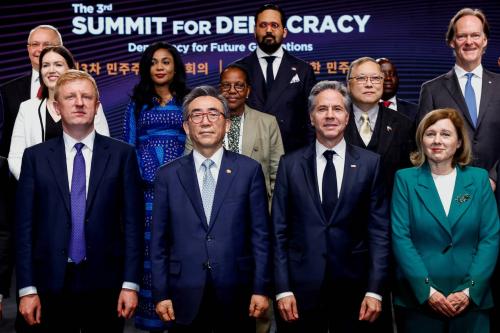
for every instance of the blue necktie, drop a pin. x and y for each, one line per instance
(470, 98)
(329, 185)
(269, 72)
(78, 202)
(208, 188)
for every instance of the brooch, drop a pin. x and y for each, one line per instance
(462, 198)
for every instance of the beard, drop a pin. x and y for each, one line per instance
(269, 45)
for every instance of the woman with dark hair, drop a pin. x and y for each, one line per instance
(445, 233)
(37, 120)
(153, 124)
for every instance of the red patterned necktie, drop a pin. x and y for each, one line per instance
(386, 103)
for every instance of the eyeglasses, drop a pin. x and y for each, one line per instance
(43, 45)
(474, 36)
(273, 25)
(197, 117)
(238, 86)
(364, 79)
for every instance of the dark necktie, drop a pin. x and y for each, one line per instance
(78, 200)
(470, 98)
(329, 186)
(269, 72)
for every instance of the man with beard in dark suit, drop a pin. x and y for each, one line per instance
(280, 81)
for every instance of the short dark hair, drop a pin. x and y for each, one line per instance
(450, 34)
(328, 85)
(200, 92)
(63, 52)
(272, 6)
(239, 67)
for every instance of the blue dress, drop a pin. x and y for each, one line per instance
(158, 138)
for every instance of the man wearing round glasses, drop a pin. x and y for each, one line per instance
(280, 82)
(210, 238)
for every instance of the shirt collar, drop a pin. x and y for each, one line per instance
(392, 100)
(478, 71)
(199, 158)
(69, 142)
(35, 75)
(372, 113)
(278, 54)
(339, 149)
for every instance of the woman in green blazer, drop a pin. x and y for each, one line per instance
(445, 231)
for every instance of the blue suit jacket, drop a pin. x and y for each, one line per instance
(449, 253)
(113, 224)
(234, 246)
(355, 240)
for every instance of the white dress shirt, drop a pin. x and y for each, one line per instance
(276, 63)
(339, 163)
(476, 81)
(35, 83)
(394, 103)
(70, 150)
(200, 170)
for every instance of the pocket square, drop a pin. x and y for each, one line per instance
(295, 79)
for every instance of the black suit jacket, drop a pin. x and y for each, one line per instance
(396, 141)
(287, 101)
(407, 108)
(5, 230)
(444, 91)
(113, 222)
(13, 94)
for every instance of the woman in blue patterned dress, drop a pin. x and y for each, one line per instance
(153, 124)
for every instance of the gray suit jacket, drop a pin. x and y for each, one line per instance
(261, 141)
(444, 91)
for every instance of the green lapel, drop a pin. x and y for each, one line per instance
(462, 196)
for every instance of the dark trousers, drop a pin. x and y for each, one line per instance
(76, 309)
(337, 311)
(211, 319)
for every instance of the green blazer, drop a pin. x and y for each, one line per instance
(449, 253)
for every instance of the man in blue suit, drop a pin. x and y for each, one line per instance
(79, 222)
(331, 226)
(210, 239)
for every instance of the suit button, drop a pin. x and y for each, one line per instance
(472, 283)
(206, 265)
(209, 238)
(426, 280)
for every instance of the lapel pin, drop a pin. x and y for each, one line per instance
(228, 171)
(353, 165)
(489, 82)
(294, 69)
(389, 129)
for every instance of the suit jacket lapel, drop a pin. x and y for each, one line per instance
(259, 91)
(456, 93)
(57, 162)
(426, 191)
(189, 181)
(249, 132)
(463, 193)
(285, 74)
(311, 178)
(228, 171)
(348, 180)
(486, 93)
(387, 125)
(100, 158)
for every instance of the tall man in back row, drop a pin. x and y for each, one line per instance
(468, 87)
(280, 82)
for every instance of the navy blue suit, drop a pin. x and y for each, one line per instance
(353, 245)
(233, 249)
(407, 108)
(113, 225)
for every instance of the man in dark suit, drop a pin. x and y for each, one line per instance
(390, 89)
(331, 226)
(210, 240)
(373, 126)
(468, 87)
(79, 222)
(280, 82)
(5, 234)
(16, 91)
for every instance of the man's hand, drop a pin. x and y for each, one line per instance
(440, 304)
(288, 308)
(165, 310)
(31, 309)
(258, 306)
(459, 300)
(127, 303)
(370, 309)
